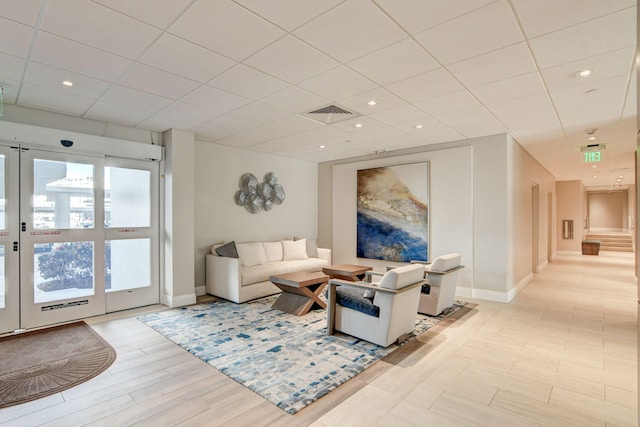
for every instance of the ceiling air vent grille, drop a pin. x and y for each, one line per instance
(330, 114)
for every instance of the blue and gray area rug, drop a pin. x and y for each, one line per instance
(288, 360)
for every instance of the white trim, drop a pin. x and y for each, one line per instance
(41, 137)
(178, 301)
(482, 294)
(568, 253)
(519, 286)
(201, 290)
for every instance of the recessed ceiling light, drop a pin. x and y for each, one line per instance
(595, 176)
(371, 103)
(591, 138)
(583, 73)
(322, 146)
(67, 83)
(358, 125)
(418, 126)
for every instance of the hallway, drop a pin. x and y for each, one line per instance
(563, 352)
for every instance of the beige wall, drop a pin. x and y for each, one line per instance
(571, 201)
(608, 211)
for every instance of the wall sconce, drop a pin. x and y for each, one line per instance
(567, 229)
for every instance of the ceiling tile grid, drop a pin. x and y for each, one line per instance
(241, 72)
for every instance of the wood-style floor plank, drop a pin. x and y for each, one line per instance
(562, 353)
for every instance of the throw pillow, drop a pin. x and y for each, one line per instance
(294, 249)
(228, 250)
(370, 293)
(312, 247)
(273, 250)
(251, 254)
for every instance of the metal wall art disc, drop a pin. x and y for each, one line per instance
(255, 196)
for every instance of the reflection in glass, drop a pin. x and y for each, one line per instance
(128, 264)
(3, 195)
(62, 271)
(127, 197)
(62, 195)
(2, 278)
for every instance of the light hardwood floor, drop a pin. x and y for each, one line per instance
(562, 353)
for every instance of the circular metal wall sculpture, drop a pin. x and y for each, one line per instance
(257, 196)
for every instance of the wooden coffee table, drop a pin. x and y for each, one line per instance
(300, 291)
(346, 271)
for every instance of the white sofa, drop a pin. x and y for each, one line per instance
(247, 277)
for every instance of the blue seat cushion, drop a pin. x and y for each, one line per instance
(349, 296)
(426, 289)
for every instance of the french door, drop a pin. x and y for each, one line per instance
(80, 236)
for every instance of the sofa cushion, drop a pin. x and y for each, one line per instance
(399, 277)
(349, 296)
(261, 273)
(228, 250)
(312, 247)
(445, 262)
(251, 254)
(273, 251)
(294, 249)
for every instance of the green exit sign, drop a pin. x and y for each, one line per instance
(592, 156)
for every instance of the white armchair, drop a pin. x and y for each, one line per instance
(442, 279)
(382, 319)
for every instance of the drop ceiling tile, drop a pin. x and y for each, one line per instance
(534, 122)
(52, 100)
(368, 125)
(510, 88)
(324, 133)
(185, 59)
(484, 30)
(179, 116)
(93, 25)
(215, 99)
(15, 38)
(471, 115)
(51, 78)
(500, 64)
(231, 30)
(403, 114)
(610, 64)
(232, 123)
(139, 100)
(545, 16)
(295, 100)
(351, 30)
(23, 11)
(338, 83)
(418, 15)
(291, 60)
(285, 142)
(425, 86)
(247, 82)
(384, 99)
(432, 133)
(252, 136)
(592, 114)
(157, 82)
(12, 67)
(209, 133)
(590, 92)
(158, 13)
(68, 55)
(449, 103)
(120, 114)
(396, 62)
(522, 105)
(260, 112)
(481, 128)
(296, 123)
(596, 37)
(286, 13)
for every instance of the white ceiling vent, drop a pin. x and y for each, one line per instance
(330, 114)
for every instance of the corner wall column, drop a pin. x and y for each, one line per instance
(179, 204)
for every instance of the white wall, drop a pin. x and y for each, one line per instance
(480, 206)
(218, 219)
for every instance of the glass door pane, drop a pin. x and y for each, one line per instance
(62, 238)
(9, 241)
(131, 247)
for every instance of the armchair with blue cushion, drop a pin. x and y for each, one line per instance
(385, 314)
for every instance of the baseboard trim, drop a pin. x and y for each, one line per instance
(201, 290)
(482, 294)
(178, 301)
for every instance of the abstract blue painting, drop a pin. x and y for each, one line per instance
(393, 213)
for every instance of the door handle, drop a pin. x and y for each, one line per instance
(15, 246)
